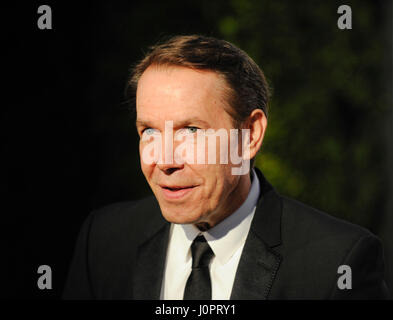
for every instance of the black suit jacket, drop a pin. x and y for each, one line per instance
(292, 252)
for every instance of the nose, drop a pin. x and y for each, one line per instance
(170, 168)
(169, 164)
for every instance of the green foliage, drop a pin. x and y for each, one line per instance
(321, 145)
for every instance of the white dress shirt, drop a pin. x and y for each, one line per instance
(226, 239)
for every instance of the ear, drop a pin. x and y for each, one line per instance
(257, 124)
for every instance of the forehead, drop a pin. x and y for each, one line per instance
(170, 92)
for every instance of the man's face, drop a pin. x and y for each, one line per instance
(193, 100)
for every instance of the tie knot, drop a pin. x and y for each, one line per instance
(201, 253)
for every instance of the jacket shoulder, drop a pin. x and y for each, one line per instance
(125, 220)
(315, 245)
(120, 212)
(313, 223)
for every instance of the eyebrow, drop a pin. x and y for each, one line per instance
(141, 123)
(176, 124)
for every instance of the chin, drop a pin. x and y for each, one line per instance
(179, 218)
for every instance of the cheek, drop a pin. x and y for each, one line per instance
(146, 168)
(225, 180)
(216, 181)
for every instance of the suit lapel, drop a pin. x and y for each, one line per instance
(150, 266)
(256, 271)
(151, 255)
(259, 263)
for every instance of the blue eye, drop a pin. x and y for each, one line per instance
(192, 129)
(149, 131)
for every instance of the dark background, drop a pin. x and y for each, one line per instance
(69, 143)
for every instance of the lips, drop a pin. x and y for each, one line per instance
(176, 188)
(175, 192)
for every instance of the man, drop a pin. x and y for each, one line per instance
(210, 232)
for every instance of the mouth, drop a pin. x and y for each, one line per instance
(176, 192)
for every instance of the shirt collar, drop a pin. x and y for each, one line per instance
(230, 234)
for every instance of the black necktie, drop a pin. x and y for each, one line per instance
(198, 285)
